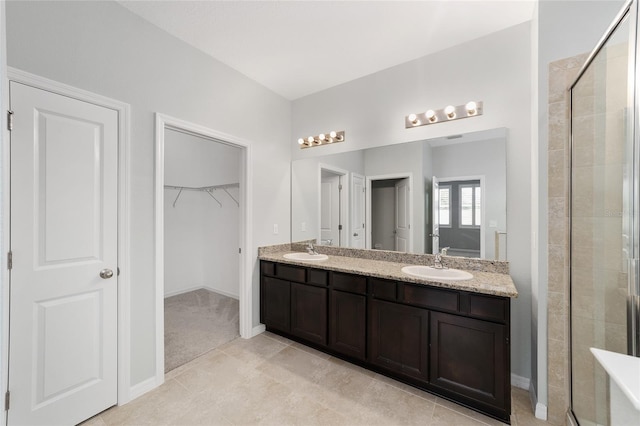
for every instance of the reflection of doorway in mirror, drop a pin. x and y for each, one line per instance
(358, 227)
(460, 212)
(390, 210)
(332, 207)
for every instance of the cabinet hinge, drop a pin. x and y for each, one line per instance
(10, 260)
(10, 120)
(507, 340)
(7, 398)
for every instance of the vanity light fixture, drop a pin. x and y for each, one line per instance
(321, 139)
(449, 113)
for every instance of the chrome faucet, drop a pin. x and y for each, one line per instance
(310, 249)
(437, 262)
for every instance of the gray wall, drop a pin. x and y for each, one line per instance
(104, 48)
(566, 28)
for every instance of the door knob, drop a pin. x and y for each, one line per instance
(105, 274)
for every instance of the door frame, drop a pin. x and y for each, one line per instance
(125, 392)
(367, 202)
(344, 201)
(163, 121)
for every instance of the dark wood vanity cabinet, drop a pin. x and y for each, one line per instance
(275, 303)
(468, 357)
(309, 313)
(293, 300)
(399, 338)
(450, 342)
(348, 315)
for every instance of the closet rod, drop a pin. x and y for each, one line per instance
(208, 189)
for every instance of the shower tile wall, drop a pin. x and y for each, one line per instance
(561, 74)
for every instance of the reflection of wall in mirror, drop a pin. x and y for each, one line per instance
(481, 158)
(305, 191)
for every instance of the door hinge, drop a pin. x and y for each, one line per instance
(10, 120)
(7, 397)
(240, 250)
(10, 260)
(339, 227)
(340, 187)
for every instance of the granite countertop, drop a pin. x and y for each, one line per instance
(493, 283)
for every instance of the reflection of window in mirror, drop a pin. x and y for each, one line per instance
(470, 206)
(444, 205)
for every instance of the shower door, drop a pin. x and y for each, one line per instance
(602, 216)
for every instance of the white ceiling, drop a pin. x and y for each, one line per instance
(296, 48)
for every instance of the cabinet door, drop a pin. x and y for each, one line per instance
(275, 304)
(348, 323)
(470, 357)
(309, 312)
(398, 338)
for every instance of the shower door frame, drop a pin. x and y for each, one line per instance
(630, 10)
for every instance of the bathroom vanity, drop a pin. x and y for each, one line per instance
(450, 338)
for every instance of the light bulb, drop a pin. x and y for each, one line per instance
(322, 137)
(310, 140)
(450, 111)
(413, 119)
(472, 108)
(300, 141)
(333, 134)
(431, 116)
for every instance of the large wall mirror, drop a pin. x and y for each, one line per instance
(417, 197)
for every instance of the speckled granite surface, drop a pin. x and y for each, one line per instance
(388, 265)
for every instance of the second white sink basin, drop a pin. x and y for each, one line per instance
(427, 272)
(306, 256)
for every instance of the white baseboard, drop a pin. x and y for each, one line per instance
(222, 292)
(539, 409)
(143, 387)
(213, 289)
(258, 329)
(520, 382)
(183, 290)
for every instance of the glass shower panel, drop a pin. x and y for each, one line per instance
(601, 175)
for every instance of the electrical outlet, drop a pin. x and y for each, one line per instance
(275, 228)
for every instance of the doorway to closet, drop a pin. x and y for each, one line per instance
(201, 233)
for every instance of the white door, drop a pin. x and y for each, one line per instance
(63, 320)
(435, 229)
(330, 210)
(357, 211)
(403, 226)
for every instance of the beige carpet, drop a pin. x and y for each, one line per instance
(195, 323)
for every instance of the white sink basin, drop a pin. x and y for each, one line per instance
(306, 256)
(427, 272)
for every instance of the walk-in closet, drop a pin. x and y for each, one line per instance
(201, 240)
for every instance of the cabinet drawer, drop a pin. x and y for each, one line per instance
(491, 308)
(429, 297)
(291, 273)
(268, 268)
(352, 283)
(318, 277)
(383, 289)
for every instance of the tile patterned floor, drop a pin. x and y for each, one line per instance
(270, 380)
